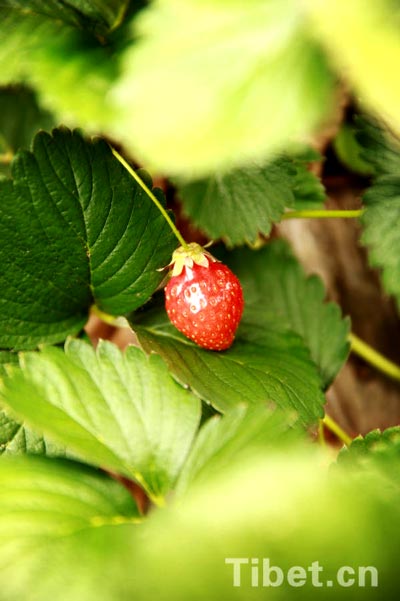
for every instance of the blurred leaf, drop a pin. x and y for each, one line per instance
(380, 148)
(6, 357)
(363, 41)
(242, 203)
(54, 522)
(75, 228)
(378, 453)
(285, 507)
(265, 364)
(223, 440)
(99, 16)
(120, 411)
(213, 85)
(20, 119)
(282, 507)
(70, 69)
(277, 290)
(349, 151)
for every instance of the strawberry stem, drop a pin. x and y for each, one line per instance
(323, 214)
(152, 196)
(337, 430)
(369, 354)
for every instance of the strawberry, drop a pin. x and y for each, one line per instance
(203, 298)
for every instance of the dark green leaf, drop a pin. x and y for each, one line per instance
(120, 411)
(378, 146)
(308, 190)
(240, 204)
(20, 119)
(214, 85)
(380, 234)
(75, 229)
(277, 290)
(99, 16)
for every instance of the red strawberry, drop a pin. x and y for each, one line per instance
(203, 298)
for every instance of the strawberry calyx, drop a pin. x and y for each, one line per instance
(192, 254)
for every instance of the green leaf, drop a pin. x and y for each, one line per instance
(380, 147)
(73, 526)
(377, 454)
(70, 69)
(119, 411)
(242, 203)
(73, 496)
(308, 190)
(382, 211)
(265, 364)
(239, 81)
(269, 360)
(99, 17)
(60, 526)
(16, 438)
(349, 150)
(20, 119)
(277, 290)
(283, 507)
(223, 440)
(75, 229)
(363, 42)
(6, 357)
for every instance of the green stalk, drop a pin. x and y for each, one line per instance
(150, 194)
(323, 214)
(337, 430)
(369, 354)
(321, 436)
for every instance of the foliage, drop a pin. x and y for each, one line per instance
(242, 203)
(228, 100)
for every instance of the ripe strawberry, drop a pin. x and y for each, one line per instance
(203, 298)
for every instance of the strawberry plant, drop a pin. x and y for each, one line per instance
(199, 379)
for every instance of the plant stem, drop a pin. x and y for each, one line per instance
(323, 214)
(369, 354)
(337, 430)
(111, 320)
(152, 196)
(321, 436)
